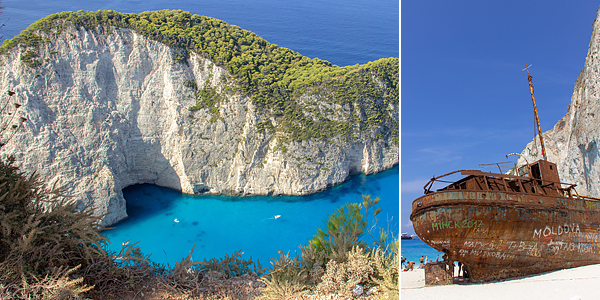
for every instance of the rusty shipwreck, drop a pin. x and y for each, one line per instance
(500, 226)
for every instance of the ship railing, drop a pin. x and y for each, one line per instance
(589, 198)
(434, 179)
(520, 180)
(576, 194)
(429, 184)
(570, 191)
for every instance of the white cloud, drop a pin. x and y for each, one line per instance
(441, 154)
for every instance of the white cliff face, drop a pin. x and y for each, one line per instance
(106, 111)
(573, 142)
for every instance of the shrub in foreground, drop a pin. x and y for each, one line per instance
(340, 259)
(42, 237)
(50, 249)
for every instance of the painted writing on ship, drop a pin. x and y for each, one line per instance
(503, 250)
(558, 230)
(546, 240)
(456, 224)
(520, 245)
(505, 245)
(485, 254)
(444, 243)
(556, 246)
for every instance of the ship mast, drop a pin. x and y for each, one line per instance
(537, 119)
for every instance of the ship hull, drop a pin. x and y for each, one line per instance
(498, 235)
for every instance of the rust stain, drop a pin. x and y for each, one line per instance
(500, 226)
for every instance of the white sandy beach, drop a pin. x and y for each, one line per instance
(581, 283)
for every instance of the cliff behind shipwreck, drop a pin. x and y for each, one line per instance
(190, 103)
(573, 142)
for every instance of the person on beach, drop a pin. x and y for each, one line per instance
(403, 262)
(421, 261)
(426, 260)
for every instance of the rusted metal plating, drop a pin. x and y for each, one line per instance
(500, 226)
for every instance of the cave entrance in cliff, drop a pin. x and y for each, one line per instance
(146, 201)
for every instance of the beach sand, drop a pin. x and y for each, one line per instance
(580, 283)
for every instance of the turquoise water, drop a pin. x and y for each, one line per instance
(220, 225)
(413, 249)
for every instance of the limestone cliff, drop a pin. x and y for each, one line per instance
(573, 142)
(109, 109)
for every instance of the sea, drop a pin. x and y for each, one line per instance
(414, 249)
(168, 224)
(343, 32)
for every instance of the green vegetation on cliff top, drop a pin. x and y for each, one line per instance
(343, 101)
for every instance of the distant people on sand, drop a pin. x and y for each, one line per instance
(409, 266)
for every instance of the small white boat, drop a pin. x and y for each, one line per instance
(277, 216)
(406, 236)
(176, 221)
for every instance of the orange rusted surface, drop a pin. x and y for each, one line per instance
(500, 226)
(437, 273)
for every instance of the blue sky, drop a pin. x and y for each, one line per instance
(464, 98)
